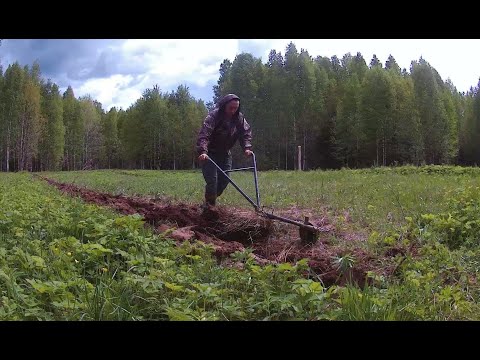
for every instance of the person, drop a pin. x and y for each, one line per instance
(221, 129)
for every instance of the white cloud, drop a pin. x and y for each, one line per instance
(166, 63)
(105, 90)
(185, 60)
(170, 62)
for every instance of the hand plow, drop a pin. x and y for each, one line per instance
(308, 232)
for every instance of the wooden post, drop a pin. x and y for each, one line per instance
(299, 159)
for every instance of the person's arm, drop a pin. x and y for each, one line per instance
(204, 134)
(246, 137)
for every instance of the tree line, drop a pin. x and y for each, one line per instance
(42, 129)
(350, 113)
(343, 112)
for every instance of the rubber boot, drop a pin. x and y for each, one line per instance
(210, 199)
(209, 202)
(209, 207)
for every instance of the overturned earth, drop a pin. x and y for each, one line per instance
(230, 229)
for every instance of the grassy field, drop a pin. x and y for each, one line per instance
(63, 259)
(377, 199)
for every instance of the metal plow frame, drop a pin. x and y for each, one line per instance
(308, 232)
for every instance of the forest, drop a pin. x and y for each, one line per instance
(345, 112)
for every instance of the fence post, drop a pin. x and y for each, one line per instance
(299, 158)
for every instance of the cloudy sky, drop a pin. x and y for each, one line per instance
(115, 72)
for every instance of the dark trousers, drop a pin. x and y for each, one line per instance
(216, 182)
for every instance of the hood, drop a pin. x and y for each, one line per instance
(226, 99)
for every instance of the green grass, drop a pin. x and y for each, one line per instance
(62, 259)
(377, 199)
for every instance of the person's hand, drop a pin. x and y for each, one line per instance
(202, 157)
(248, 152)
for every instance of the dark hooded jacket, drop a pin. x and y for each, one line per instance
(218, 135)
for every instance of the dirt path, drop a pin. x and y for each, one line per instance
(230, 229)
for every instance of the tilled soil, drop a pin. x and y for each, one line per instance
(231, 229)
